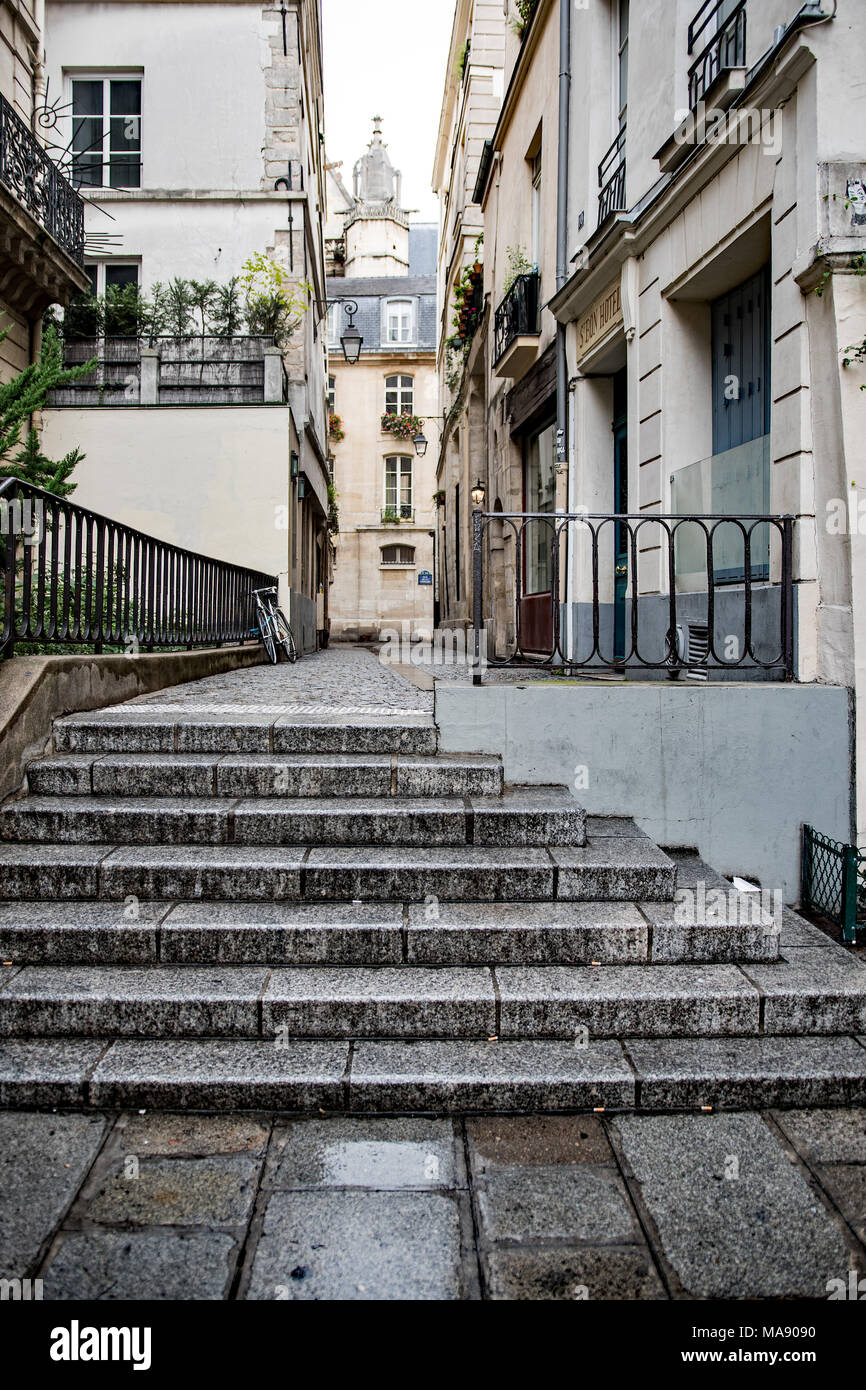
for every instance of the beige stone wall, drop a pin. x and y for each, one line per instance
(19, 39)
(366, 597)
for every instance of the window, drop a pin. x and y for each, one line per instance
(332, 394)
(334, 325)
(622, 65)
(105, 275)
(398, 555)
(106, 132)
(399, 395)
(398, 485)
(399, 321)
(536, 209)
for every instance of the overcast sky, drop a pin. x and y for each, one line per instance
(387, 58)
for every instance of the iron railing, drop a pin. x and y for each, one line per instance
(725, 48)
(35, 180)
(611, 179)
(626, 626)
(517, 314)
(834, 881)
(403, 512)
(74, 577)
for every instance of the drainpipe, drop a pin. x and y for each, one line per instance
(562, 244)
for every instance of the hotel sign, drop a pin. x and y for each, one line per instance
(597, 322)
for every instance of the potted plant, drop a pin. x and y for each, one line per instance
(403, 426)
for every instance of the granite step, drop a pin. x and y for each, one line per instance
(452, 1076)
(813, 993)
(206, 775)
(528, 816)
(529, 933)
(607, 868)
(131, 729)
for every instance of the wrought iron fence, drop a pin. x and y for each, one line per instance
(834, 881)
(35, 180)
(74, 577)
(611, 179)
(517, 314)
(639, 582)
(726, 48)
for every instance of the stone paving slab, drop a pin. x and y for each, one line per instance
(59, 933)
(529, 932)
(284, 933)
(813, 991)
(726, 1201)
(43, 1160)
(380, 1154)
(119, 1265)
(577, 1204)
(47, 1071)
(358, 1245)
(452, 1002)
(574, 1273)
(167, 1191)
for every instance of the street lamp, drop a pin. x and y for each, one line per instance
(351, 340)
(478, 494)
(420, 444)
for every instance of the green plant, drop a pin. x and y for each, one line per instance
(124, 312)
(83, 317)
(227, 314)
(467, 298)
(178, 307)
(462, 60)
(523, 18)
(333, 510)
(275, 303)
(21, 398)
(390, 517)
(439, 498)
(403, 426)
(335, 427)
(156, 311)
(518, 264)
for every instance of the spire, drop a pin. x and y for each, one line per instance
(375, 178)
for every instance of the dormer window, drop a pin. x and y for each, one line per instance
(399, 322)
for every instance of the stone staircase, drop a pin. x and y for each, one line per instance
(300, 914)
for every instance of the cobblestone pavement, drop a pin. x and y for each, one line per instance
(336, 682)
(194, 1206)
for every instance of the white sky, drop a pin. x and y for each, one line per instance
(387, 58)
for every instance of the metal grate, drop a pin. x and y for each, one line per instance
(834, 881)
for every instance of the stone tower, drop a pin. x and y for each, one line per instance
(376, 228)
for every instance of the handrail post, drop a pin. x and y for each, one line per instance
(788, 594)
(10, 558)
(477, 581)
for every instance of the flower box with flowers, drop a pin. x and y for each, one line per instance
(403, 426)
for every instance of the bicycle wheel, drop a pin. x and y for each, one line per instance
(284, 636)
(267, 635)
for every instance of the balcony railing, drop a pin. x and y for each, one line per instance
(403, 512)
(611, 180)
(722, 31)
(517, 314)
(34, 179)
(73, 576)
(629, 605)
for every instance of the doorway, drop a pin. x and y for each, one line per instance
(539, 495)
(620, 503)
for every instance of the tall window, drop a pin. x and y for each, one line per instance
(622, 65)
(536, 209)
(400, 395)
(332, 394)
(398, 485)
(334, 312)
(399, 321)
(106, 132)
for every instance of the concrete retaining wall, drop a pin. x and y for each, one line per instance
(35, 690)
(733, 770)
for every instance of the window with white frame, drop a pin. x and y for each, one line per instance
(398, 485)
(536, 208)
(332, 394)
(107, 275)
(334, 311)
(106, 131)
(402, 555)
(399, 321)
(399, 395)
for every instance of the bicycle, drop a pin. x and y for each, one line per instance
(273, 628)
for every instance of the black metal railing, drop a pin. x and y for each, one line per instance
(611, 179)
(35, 180)
(403, 512)
(71, 576)
(707, 572)
(722, 31)
(834, 881)
(517, 314)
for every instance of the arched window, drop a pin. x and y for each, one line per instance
(398, 555)
(399, 321)
(399, 395)
(398, 486)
